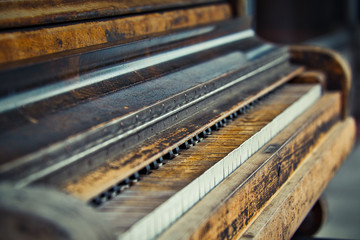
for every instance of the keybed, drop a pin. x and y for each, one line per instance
(170, 191)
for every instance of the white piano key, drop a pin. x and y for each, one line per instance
(226, 166)
(219, 172)
(157, 222)
(204, 183)
(151, 227)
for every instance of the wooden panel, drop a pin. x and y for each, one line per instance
(282, 216)
(45, 213)
(46, 40)
(15, 13)
(233, 204)
(335, 67)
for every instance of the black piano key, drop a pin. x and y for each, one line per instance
(203, 134)
(170, 155)
(145, 170)
(196, 139)
(230, 117)
(176, 151)
(208, 131)
(154, 165)
(215, 127)
(135, 177)
(160, 161)
(185, 145)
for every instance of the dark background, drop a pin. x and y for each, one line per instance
(329, 23)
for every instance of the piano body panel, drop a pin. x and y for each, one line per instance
(34, 42)
(98, 105)
(285, 212)
(337, 70)
(25, 14)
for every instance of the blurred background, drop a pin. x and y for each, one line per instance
(333, 24)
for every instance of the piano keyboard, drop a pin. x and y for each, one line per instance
(149, 206)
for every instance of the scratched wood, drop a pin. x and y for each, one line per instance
(191, 163)
(34, 42)
(30, 13)
(45, 213)
(285, 212)
(233, 204)
(122, 166)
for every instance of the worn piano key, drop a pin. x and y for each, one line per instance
(192, 181)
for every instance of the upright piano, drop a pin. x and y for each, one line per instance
(162, 120)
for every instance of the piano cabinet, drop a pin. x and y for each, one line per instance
(162, 120)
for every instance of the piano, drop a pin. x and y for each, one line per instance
(162, 120)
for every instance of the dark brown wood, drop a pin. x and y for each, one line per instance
(34, 42)
(336, 68)
(226, 211)
(239, 8)
(30, 13)
(311, 77)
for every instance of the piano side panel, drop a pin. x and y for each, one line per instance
(34, 42)
(283, 215)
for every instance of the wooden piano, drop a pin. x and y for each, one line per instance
(161, 119)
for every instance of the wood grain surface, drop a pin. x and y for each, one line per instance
(34, 42)
(336, 69)
(285, 212)
(233, 204)
(19, 13)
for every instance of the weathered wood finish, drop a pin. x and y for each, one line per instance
(154, 189)
(71, 65)
(43, 213)
(285, 212)
(233, 204)
(31, 13)
(46, 42)
(78, 129)
(34, 42)
(337, 70)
